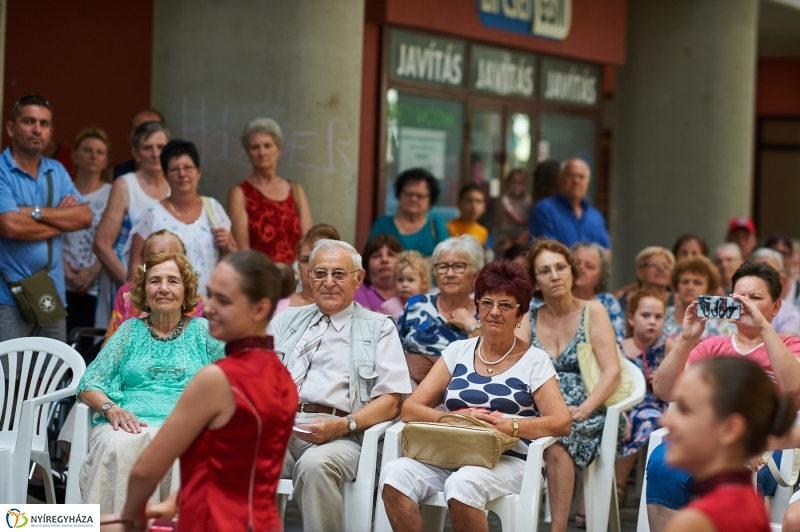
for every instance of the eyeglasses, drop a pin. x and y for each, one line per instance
(338, 275)
(657, 266)
(443, 267)
(559, 270)
(486, 305)
(182, 170)
(415, 195)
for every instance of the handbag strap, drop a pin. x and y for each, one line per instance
(49, 175)
(586, 330)
(209, 211)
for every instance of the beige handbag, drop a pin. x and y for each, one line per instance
(590, 369)
(470, 442)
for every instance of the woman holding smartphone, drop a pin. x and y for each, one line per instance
(234, 420)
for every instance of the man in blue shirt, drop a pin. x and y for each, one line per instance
(26, 222)
(567, 217)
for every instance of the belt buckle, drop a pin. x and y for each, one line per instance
(302, 408)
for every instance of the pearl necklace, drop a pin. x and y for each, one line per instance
(491, 365)
(175, 334)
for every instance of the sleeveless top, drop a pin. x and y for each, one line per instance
(138, 202)
(274, 226)
(229, 475)
(730, 501)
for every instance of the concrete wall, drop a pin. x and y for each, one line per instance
(683, 134)
(217, 65)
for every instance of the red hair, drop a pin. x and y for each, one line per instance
(505, 276)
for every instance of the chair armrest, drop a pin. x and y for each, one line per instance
(69, 391)
(79, 449)
(538, 446)
(391, 443)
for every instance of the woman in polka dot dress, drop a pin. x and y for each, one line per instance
(496, 378)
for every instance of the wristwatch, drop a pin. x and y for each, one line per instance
(515, 426)
(106, 407)
(351, 424)
(474, 328)
(37, 214)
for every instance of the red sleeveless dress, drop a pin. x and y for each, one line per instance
(730, 501)
(274, 226)
(229, 475)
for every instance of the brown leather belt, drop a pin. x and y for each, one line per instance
(313, 408)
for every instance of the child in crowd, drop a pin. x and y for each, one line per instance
(646, 346)
(471, 206)
(413, 277)
(725, 409)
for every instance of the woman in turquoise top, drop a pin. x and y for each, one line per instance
(137, 378)
(413, 225)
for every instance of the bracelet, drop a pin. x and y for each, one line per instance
(515, 426)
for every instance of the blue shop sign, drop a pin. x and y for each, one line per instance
(550, 19)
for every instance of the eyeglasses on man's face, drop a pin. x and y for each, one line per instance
(339, 276)
(443, 267)
(559, 269)
(486, 305)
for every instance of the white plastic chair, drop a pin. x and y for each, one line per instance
(517, 512)
(23, 433)
(599, 480)
(357, 495)
(79, 449)
(779, 502)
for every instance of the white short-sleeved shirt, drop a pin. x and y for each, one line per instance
(328, 379)
(201, 250)
(509, 392)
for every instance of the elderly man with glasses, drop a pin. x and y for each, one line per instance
(350, 372)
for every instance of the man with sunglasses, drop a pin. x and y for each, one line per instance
(350, 372)
(27, 222)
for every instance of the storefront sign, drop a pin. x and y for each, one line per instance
(569, 82)
(502, 71)
(543, 18)
(429, 58)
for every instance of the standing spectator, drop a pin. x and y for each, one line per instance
(413, 225)
(139, 118)
(27, 223)
(653, 272)
(594, 271)
(269, 213)
(784, 245)
(567, 217)
(787, 320)
(688, 246)
(693, 277)
(131, 195)
(81, 267)
(512, 220)
(742, 232)
(545, 180)
(305, 296)
(381, 254)
(517, 253)
(412, 277)
(471, 206)
(727, 259)
(201, 223)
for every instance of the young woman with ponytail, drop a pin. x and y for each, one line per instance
(725, 409)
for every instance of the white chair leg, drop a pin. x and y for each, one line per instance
(433, 518)
(282, 505)
(548, 517)
(43, 461)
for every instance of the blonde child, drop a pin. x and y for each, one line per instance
(413, 276)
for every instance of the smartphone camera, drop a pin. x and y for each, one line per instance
(718, 307)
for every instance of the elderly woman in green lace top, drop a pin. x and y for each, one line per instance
(137, 378)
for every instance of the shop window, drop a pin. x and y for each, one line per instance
(567, 136)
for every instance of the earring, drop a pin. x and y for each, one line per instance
(183, 307)
(519, 324)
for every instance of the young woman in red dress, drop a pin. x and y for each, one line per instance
(232, 424)
(725, 409)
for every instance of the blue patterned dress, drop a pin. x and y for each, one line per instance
(422, 328)
(612, 307)
(583, 444)
(644, 416)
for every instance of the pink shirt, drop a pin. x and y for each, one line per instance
(721, 346)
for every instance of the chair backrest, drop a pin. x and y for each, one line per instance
(32, 367)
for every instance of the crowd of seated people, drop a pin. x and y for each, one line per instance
(208, 341)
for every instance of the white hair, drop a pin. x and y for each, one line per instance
(729, 246)
(563, 166)
(767, 253)
(262, 125)
(465, 245)
(329, 245)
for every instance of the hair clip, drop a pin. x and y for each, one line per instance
(144, 267)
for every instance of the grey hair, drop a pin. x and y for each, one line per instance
(145, 130)
(565, 162)
(462, 245)
(767, 253)
(327, 244)
(267, 126)
(729, 246)
(605, 264)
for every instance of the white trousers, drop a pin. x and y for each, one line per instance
(471, 485)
